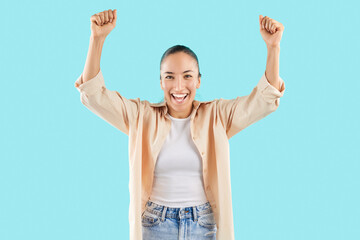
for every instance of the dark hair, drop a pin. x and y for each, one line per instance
(180, 48)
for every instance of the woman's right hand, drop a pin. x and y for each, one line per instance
(103, 23)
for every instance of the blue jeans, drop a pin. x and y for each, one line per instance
(162, 222)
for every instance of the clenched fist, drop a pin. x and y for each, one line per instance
(103, 23)
(271, 31)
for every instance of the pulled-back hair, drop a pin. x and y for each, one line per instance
(180, 48)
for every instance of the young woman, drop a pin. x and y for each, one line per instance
(179, 152)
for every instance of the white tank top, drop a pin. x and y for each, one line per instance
(178, 180)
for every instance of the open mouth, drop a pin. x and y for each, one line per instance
(179, 99)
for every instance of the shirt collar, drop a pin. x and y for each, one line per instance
(196, 105)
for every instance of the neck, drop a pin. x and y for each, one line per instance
(183, 114)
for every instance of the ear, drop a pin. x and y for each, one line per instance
(161, 85)
(199, 81)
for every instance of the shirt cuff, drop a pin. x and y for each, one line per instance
(269, 92)
(92, 85)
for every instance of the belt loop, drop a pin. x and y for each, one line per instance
(163, 214)
(194, 213)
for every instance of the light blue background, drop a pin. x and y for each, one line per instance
(64, 171)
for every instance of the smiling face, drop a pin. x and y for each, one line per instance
(179, 75)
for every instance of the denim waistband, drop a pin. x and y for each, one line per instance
(178, 213)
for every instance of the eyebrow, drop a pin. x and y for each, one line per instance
(183, 72)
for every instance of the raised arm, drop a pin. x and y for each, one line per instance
(101, 25)
(238, 113)
(109, 105)
(271, 31)
(92, 64)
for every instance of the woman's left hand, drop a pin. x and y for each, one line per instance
(271, 31)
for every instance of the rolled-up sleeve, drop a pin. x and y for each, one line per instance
(238, 113)
(109, 105)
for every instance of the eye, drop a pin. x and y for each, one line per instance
(168, 76)
(188, 75)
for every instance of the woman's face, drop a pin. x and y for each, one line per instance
(179, 75)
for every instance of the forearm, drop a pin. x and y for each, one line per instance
(92, 65)
(272, 66)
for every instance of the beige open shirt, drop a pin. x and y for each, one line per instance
(213, 123)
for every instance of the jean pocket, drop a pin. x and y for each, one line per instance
(207, 220)
(149, 219)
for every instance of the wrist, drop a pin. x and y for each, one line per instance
(273, 47)
(97, 38)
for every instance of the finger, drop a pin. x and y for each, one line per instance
(260, 20)
(280, 27)
(93, 18)
(115, 14)
(268, 24)
(264, 22)
(276, 27)
(101, 15)
(111, 16)
(106, 16)
(271, 27)
(98, 19)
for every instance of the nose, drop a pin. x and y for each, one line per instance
(179, 83)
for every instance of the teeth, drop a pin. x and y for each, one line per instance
(181, 95)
